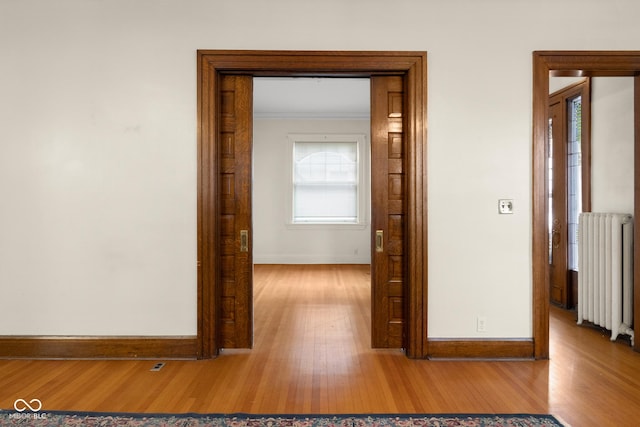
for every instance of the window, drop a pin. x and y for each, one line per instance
(574, 182)
(327, 177)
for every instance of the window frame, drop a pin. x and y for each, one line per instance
(362, 187)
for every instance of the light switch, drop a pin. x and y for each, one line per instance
(505, 206)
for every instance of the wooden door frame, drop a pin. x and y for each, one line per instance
(412, 66)
(570, 63)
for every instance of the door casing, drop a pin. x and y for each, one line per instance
(577, 64)
(412, 67)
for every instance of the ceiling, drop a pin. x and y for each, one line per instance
(304, 97)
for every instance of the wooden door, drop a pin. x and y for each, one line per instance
(388, 211)
(236, 265)
(570, 186)
(558, 205)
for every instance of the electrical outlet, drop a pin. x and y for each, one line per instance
(505, 206)
(481, 324)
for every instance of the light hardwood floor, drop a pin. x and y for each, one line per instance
(312, 355)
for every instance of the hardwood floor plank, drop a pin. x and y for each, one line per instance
(312, 354)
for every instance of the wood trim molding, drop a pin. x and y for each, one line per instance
(76, 347)
(636, 208)
(480, 349)
(207, 213)
(540, 267)
(565, 63)
(417, 230)
(411, 65)
(586, 146)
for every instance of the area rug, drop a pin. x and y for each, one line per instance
(97, 419)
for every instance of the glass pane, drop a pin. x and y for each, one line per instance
(325, 203)
(574, 178)
(325, 182)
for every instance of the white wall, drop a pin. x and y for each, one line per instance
(274, 242)
(98, 147)
(612, 144)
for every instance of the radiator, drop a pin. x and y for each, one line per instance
(605, 271)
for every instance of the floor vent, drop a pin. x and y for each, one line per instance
(157, 367)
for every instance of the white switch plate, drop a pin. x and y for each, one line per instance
(505, 206)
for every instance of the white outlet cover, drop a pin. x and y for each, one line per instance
(505, 206)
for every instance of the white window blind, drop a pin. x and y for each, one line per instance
(325, 182)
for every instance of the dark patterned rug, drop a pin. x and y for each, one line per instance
(98, 419)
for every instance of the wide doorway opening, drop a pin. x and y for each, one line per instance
(399, 210)
(311, 203)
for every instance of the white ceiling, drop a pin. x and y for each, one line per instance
(303, 97)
